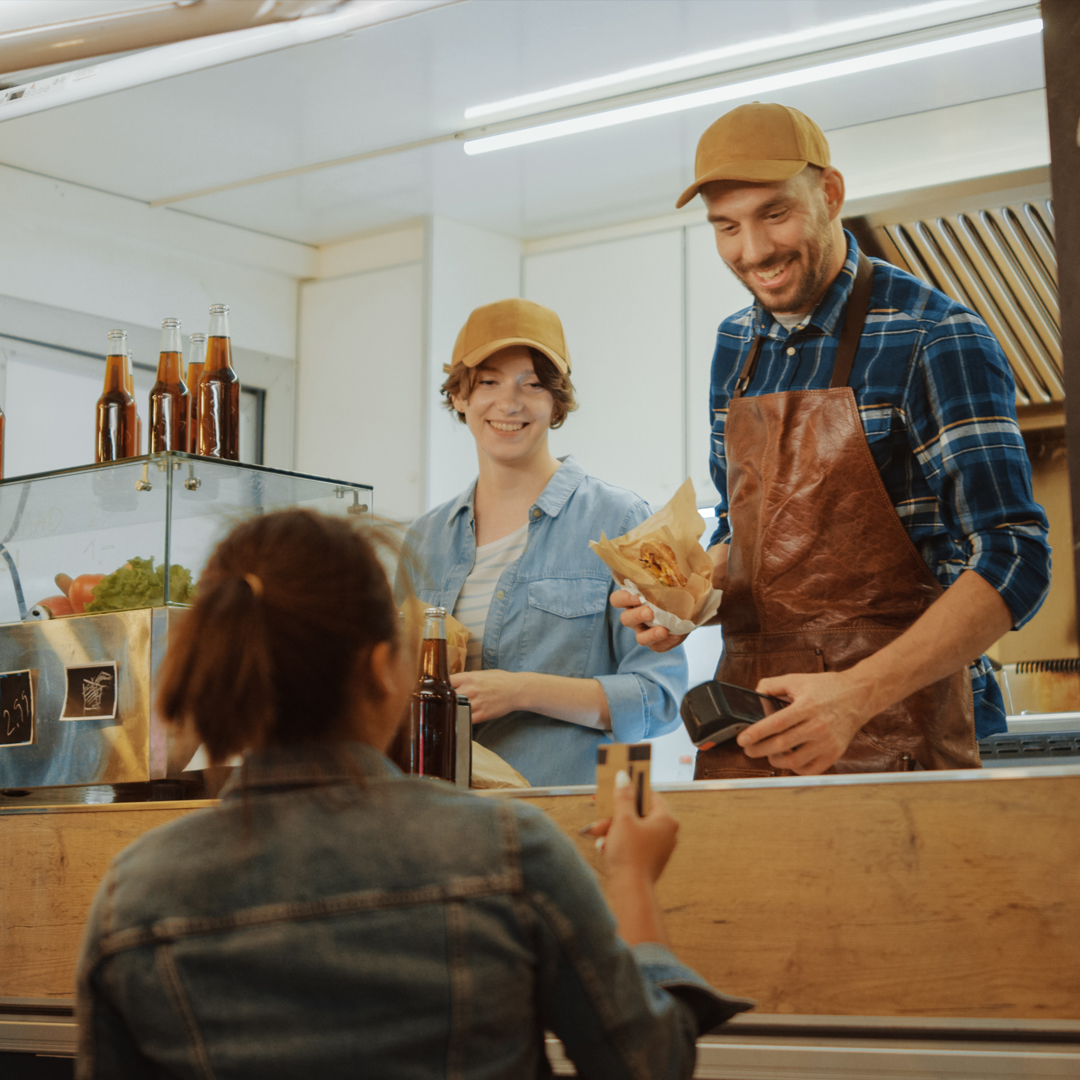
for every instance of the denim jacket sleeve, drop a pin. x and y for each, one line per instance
(643, 695)
(620, 1012)
(107, 1048)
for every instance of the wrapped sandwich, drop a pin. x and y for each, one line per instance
(457, 633)
(662, 561)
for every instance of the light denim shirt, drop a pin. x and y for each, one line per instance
(550, 613)
(335, 919)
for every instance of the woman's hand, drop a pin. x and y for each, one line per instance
(637, 617)
(491, 693)
(637, 847)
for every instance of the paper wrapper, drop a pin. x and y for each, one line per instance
(457, 634)
(679, 609)
(490, 771)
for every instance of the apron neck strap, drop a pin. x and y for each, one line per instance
(854, 318)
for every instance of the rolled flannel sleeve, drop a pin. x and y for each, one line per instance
(961, 420)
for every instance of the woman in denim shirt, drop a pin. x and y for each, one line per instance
(552, 671)
(333, 918)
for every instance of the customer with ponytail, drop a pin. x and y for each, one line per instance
(332, 917)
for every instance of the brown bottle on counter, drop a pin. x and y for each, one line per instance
(116, 417)
(427, 742)
(169, 396)
(129, 382)
(219, 393)
(196, 363)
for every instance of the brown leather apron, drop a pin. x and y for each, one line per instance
(821, 572)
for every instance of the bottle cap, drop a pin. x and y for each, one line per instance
(435, 613)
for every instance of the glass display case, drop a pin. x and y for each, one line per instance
(160, 515)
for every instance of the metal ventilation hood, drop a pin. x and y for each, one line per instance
(990, 245)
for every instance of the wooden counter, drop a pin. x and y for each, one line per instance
(934, 894)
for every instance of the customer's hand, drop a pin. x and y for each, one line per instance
(637, 616)
(637, 847)
(492, 693)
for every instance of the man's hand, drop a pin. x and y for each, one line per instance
(812, 733)
(638, 616)
(491, 693)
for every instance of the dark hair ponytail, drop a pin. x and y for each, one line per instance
(286, 613)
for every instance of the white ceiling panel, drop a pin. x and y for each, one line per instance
(412, 79)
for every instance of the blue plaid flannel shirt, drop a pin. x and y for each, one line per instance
(937, 402)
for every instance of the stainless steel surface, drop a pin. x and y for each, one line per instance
(998, 262)
(463, 768)
(943, 776)
(1055, 721)
(135, 746)
(762, 1047)
(992, 250)
(755, 1046)
(1040, 686)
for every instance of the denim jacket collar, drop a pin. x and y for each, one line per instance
(552, 499)
(307, 765)
(560, 487)
(826, 316)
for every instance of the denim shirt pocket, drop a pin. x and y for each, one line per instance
(563, 618)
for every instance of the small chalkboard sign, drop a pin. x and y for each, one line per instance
(91, 692)
(16, 708)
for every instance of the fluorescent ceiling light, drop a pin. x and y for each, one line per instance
(198, 54)
(752, 87)
(777, 41)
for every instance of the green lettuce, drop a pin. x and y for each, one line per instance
(139, 585)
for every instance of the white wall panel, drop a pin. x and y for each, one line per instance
(712, 294)
(360, 415)
(87, 251)
(621, 304)
(468, 267)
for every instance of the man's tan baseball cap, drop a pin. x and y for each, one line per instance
(511, 322)
(757, 143)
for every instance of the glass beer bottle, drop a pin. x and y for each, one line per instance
(219, 393)
(427, 744)
(129, 382)
(115, 435)
(169, 396)
(196, 363)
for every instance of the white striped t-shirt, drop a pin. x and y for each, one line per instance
(475, 597)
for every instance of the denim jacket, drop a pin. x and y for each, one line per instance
(550, 613)
(335, 919)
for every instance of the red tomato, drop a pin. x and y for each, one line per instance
(58, 605)
(81, 591)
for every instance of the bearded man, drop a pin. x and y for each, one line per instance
(876, 526)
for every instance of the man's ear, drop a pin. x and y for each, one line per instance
(832, 185)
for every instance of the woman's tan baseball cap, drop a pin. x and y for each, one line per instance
(759, 144)
(511, 322)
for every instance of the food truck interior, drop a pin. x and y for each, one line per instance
(352, 179)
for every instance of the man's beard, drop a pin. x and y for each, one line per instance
(807, 289)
